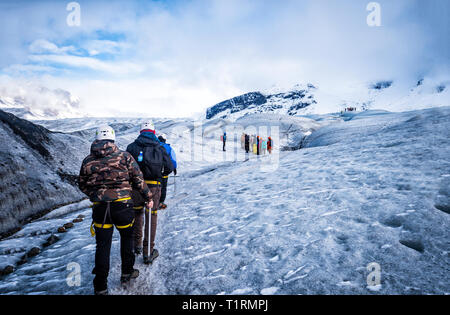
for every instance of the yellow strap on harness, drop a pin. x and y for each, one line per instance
(153, 211)
(102, 226)
(108, 226)
(152, 182)
(121, 227)
(165, 176)
(117, 200)
(138, 208)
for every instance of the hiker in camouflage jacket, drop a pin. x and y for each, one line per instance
(108, 174)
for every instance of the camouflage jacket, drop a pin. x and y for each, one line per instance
(108, 174)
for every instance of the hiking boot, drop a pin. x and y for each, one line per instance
(127, 277)
(138, 251)
(162, 206)
(149, 260)
(104, 292)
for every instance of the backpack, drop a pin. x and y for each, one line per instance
(152, 163)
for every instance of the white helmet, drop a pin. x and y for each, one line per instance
(105, 133)
(148, 125)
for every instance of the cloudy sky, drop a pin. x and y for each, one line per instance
(176, 57)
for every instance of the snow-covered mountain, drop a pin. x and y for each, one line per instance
(39, 102)
(307, 99)
(285, 103)
(397, 96)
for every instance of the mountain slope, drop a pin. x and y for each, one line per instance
(315, 99)
(38, 170)
(285, 103)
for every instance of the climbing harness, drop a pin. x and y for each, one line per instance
(108, 213)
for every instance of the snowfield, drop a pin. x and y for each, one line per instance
(365, 188)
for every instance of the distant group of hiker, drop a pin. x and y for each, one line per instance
(126, 188)
(256, 144)
(252, 144)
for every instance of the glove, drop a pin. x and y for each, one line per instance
(175, 172)
(149, 205)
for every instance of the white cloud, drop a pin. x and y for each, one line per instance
(143, 97)
(28, 69)
(38, 100)
(40, 46)
(96, 47)
(116, 68)
(187, 55)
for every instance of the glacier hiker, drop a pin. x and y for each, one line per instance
(154, 163)
(247, 143)
(163, 139)
(258, 145)
(264, 147)
(269, 145)
(107, 177)
(224, 140)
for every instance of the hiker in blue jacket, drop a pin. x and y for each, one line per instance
(224, 139)
(163, 138)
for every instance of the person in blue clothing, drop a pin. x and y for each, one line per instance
(224, 139)
(163, 138)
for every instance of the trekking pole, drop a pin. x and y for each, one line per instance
(147, 229)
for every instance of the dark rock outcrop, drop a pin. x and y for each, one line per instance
(34, 136)
(51, 240)
(381, 85)
(38, 170)
(237, 104)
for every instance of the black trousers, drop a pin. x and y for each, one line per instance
(163, 190)
(120, 214)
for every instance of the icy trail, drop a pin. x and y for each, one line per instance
(362, 191)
